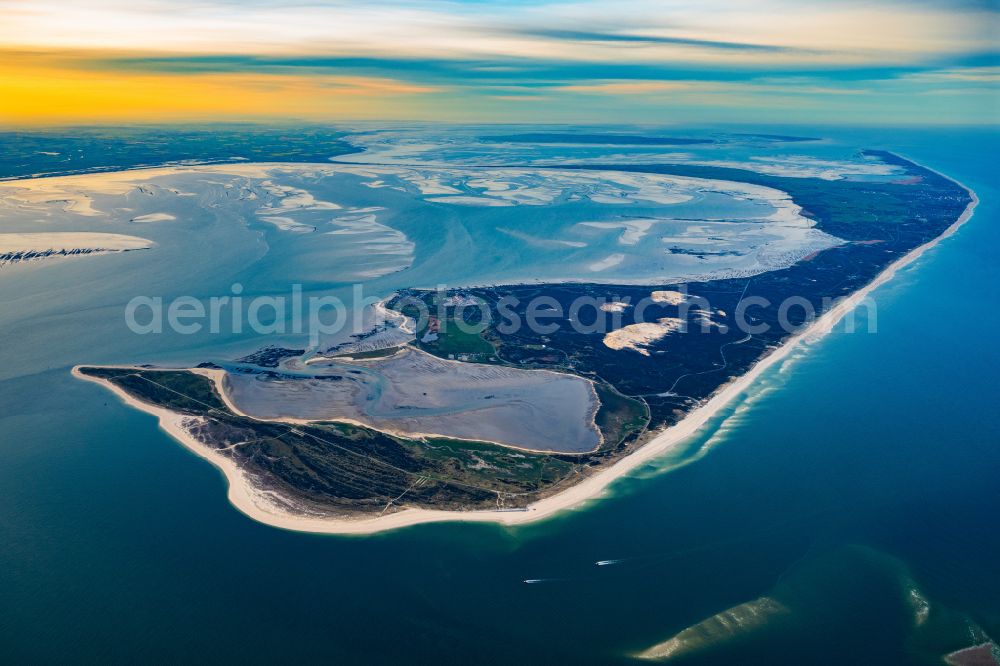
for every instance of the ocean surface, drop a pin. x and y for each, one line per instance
(856, 488)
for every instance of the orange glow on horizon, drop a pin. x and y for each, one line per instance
(40, 90)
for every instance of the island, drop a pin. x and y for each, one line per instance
(462, 418)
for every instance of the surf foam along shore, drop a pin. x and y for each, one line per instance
(259, 506)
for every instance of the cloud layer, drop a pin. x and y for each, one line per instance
(774, 60)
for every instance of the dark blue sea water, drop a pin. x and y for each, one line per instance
(858, 487)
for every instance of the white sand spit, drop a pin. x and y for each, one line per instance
(154, 217)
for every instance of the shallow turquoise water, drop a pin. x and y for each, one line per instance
(118, 544)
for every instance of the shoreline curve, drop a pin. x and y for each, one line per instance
(254, 504)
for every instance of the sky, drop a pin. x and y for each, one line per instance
(878, 62)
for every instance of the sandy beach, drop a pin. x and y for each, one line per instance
(258, 506)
